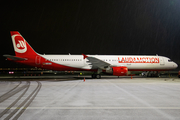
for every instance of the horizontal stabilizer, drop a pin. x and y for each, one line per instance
(14, 57)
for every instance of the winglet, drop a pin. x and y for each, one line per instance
(85, 56)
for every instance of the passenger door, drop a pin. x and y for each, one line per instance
(161, 61)
(38, 60)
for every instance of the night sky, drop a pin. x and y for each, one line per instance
(104, 27)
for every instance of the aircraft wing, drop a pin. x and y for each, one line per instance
(95, 62)
(14, 58)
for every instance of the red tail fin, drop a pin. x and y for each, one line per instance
(21, 47)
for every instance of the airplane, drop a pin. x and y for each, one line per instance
(117, 65)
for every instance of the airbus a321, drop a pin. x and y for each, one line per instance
(117, 65)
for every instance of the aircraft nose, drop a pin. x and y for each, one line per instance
(175, 65)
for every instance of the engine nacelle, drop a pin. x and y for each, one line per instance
(120, 71)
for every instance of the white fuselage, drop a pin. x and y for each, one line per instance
(132, 62)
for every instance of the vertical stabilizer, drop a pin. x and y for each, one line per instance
(21, 47)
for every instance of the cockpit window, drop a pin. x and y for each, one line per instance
(169, 60)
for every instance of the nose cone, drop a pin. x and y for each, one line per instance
(175, 65)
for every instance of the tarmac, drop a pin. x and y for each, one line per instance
(109, 98)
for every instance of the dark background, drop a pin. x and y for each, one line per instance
(119, 27)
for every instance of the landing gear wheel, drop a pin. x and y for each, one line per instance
(98, 76)
(93, 75)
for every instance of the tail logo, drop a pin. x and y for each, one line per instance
(19, 44)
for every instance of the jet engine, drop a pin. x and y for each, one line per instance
(118, 71)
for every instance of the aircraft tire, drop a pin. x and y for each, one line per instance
(93, 75)
(98, 76)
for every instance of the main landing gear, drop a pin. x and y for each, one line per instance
(98, 76)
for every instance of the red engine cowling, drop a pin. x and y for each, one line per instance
(120, 71)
